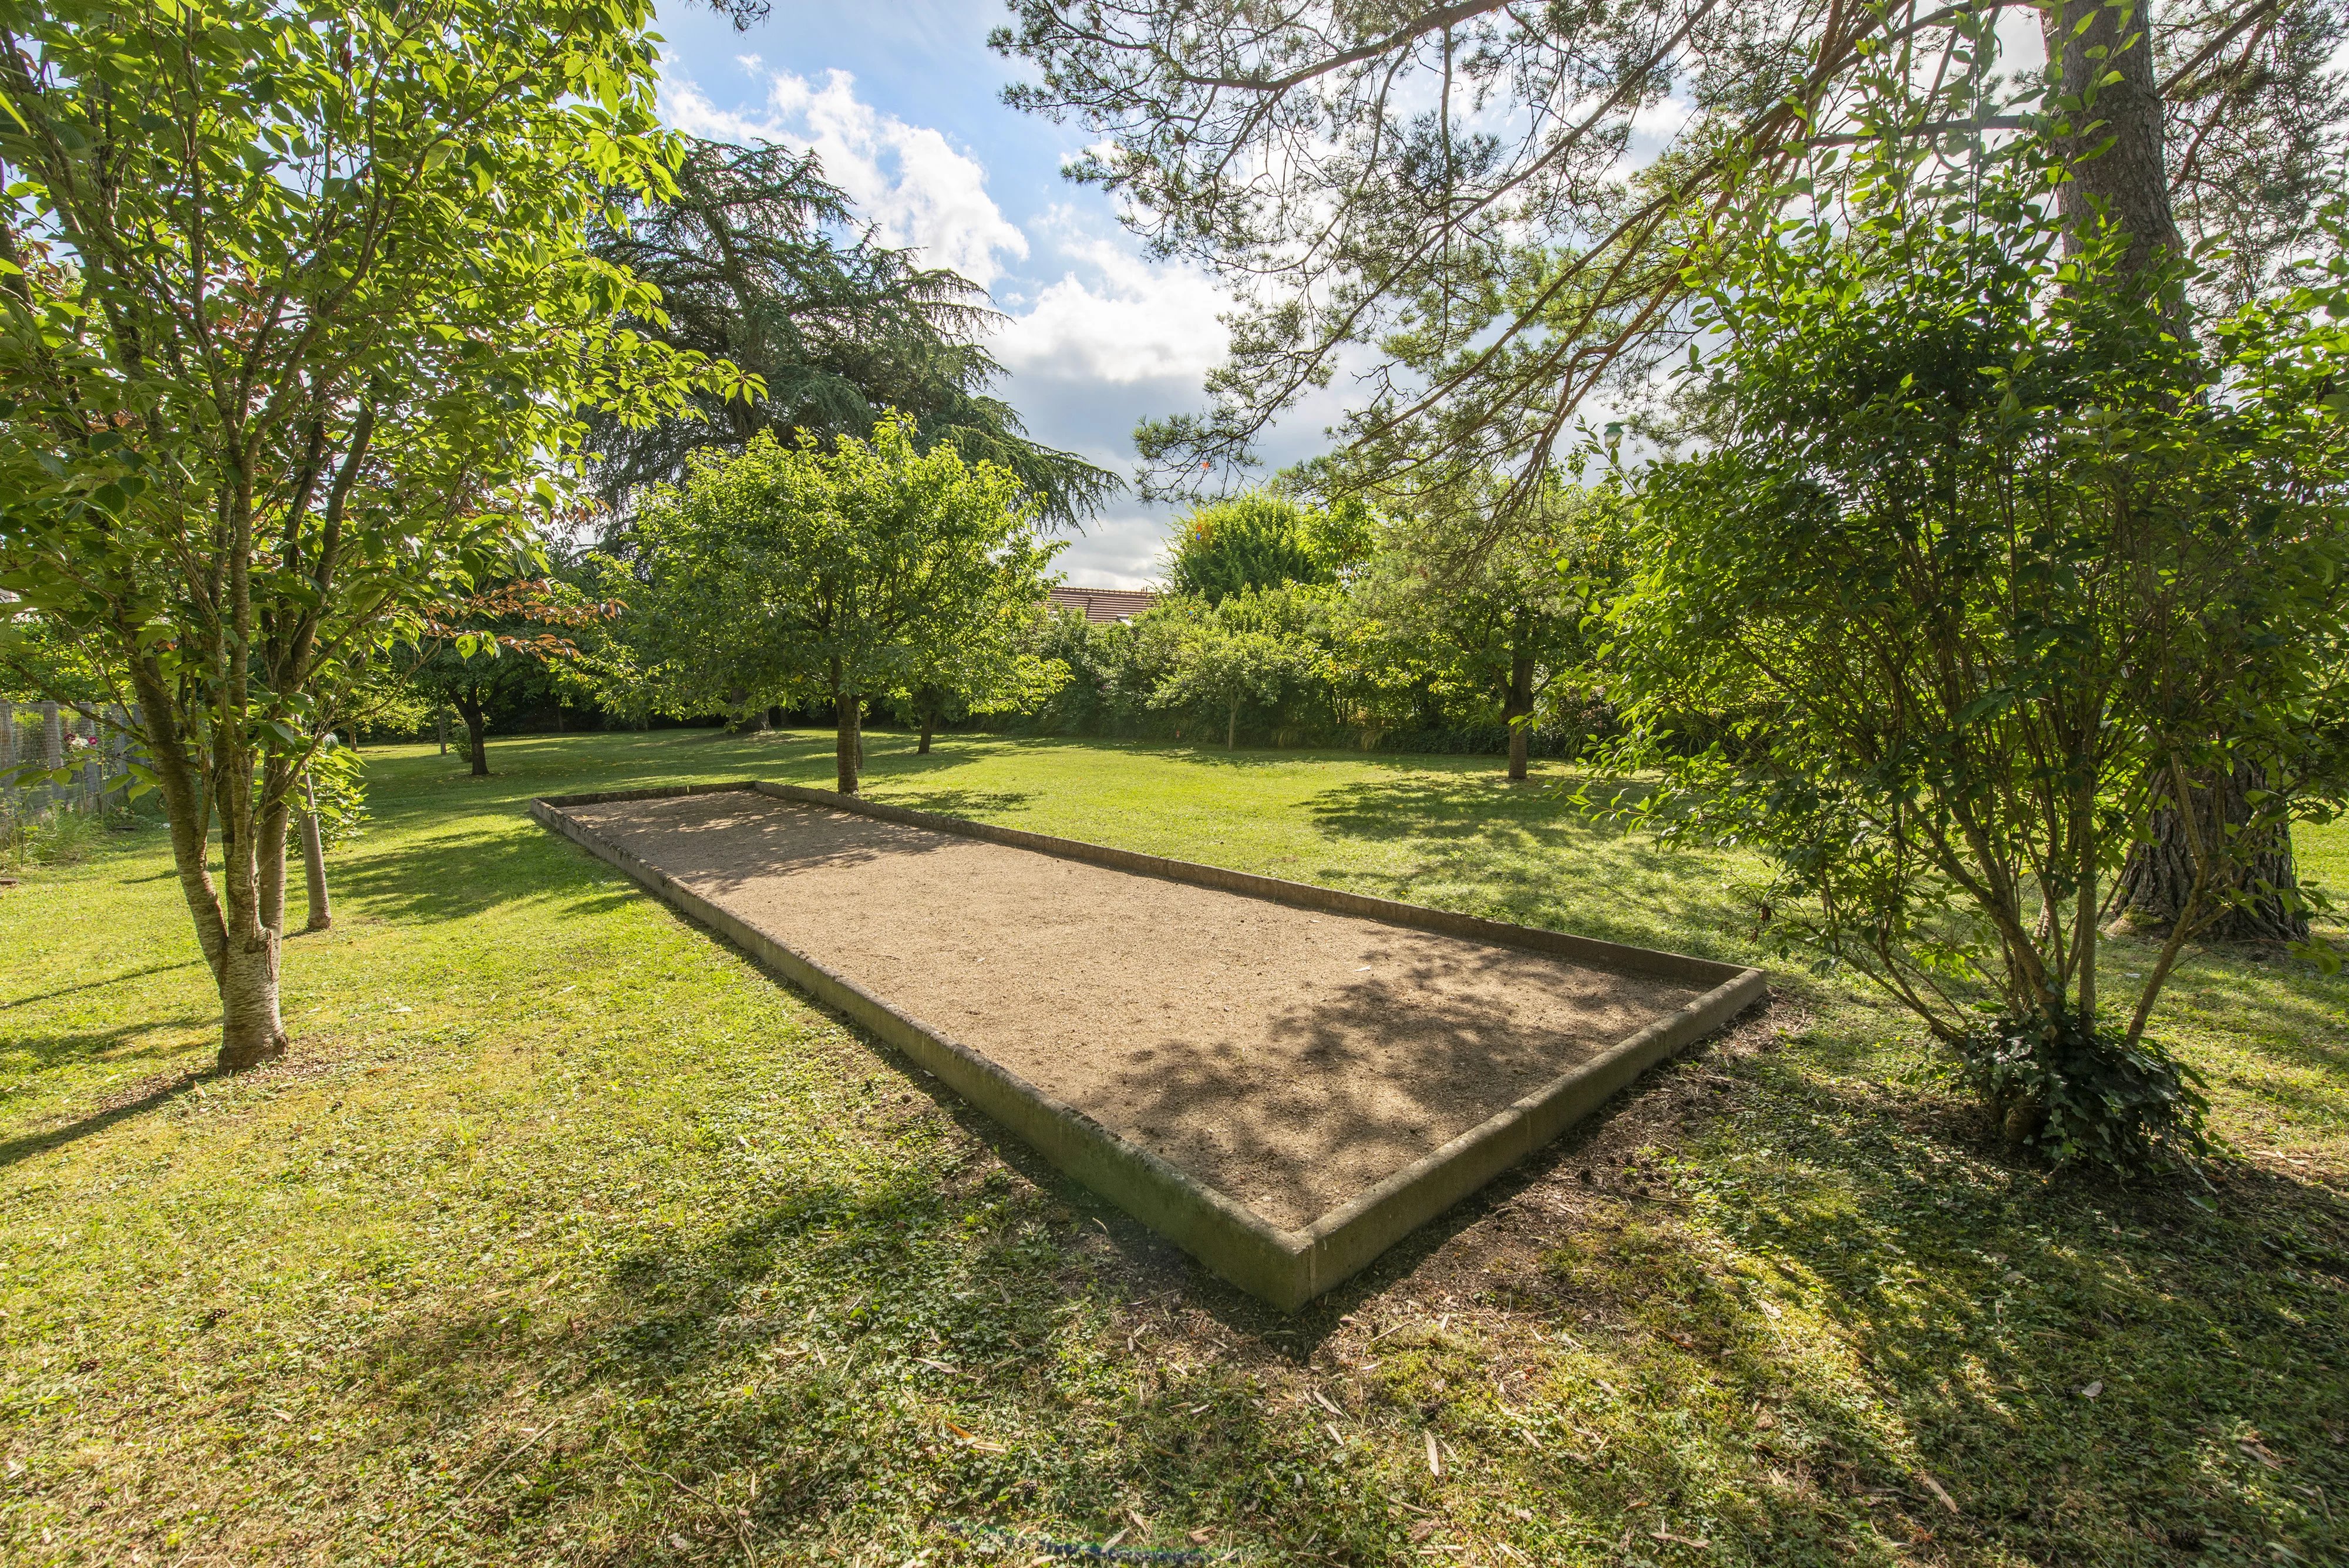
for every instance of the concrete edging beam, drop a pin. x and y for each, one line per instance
(1284, 1268)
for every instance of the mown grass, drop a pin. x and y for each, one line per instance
(566, 1235)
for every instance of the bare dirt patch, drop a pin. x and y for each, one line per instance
(1292, 1059)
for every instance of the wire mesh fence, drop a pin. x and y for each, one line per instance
(38, 739)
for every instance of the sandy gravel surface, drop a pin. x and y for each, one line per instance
(1289, 1058)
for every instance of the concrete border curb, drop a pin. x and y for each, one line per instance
(1284, 1268)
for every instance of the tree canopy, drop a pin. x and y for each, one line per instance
(759, 262)
(1261, 539)
(1462, 194)
(297, 318)
(1973, 582)
(854, 572)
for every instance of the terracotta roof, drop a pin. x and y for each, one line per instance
(1105, 604)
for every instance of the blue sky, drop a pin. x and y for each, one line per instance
(900, 97)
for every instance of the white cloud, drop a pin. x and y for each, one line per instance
(908, 181)
(1132, 322)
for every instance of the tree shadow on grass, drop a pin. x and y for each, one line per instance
(2283, 1012)
(98, 985)
(967, 802)
(2074, 1361)
(139, 1102)
(1533, 859)
(53, 1048)
(1531, 814)
(455, 876)
(851, 1347)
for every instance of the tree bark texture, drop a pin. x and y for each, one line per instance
(1517, 709)
(929, 722)
(477, 731)
(313, 861)
(2160, 869)
(272, 887)
(2128, 179)
(848, 740)
(239, 951)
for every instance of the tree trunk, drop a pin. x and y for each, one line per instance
(929, 721)
(848, 740)
(238, 949)
(272, 869)
(252, 1031)
(2160, 868)
(313, 861)
(476, 733)
(441, 728)
(752, 723)
(1519, 706)
(2128, 178)
(2129, 181)
(1232, 731)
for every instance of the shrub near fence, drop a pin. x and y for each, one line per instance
(39, 737)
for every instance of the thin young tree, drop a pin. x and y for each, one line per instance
(297, 315)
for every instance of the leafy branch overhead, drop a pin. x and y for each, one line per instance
(1479, 210)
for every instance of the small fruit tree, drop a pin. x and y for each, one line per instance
(298, 323)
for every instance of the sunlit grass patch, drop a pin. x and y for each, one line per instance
(566, 1235)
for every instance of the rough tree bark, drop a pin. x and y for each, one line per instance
(2128, 182)
(2128, 179)
(2160, 869)
(313, 861)
(477, 731)
(848, 739)
(1519, 706)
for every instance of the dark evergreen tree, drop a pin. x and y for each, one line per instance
(759, 261)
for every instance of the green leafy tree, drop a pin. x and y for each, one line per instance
(492, 647)
(992, 668)
(872, 568)
(759, 262)
(1981, 581)
(1246, 649)
(1444, 189)
(1259, 540)
(297, 315)
(1506, 600)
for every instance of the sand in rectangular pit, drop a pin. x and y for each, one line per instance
(1289, 1058)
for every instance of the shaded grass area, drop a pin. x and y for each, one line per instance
(566, 1235)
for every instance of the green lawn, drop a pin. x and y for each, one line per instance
(566, 1236)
